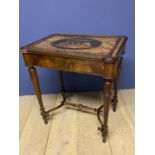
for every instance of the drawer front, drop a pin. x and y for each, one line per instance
(66, 64)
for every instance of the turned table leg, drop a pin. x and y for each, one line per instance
(106, 98)
(62, 85)
(116, 82)
(35, 81)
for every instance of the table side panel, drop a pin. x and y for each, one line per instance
(66, 64)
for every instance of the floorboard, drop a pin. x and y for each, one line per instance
(33, 139)
(25, 107)
(73, 132)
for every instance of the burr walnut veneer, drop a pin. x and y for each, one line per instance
(90, 54)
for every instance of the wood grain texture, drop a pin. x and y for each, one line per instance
(35, 133)
(121, 129)
(63, 134)
(25, 107)
(110, 46)
(62, 63)
(72, 132)
(89, 138)
(129, 97)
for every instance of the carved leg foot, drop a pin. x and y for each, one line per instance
(45, 116)
(114, 101)
(104, 131)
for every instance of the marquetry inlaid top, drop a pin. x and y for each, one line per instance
(85, 46)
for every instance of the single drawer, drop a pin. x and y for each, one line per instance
(66, 64)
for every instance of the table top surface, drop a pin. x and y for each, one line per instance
(81, 46)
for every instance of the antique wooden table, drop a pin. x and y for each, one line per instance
(89, 54)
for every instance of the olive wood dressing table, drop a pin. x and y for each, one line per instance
(90, 54)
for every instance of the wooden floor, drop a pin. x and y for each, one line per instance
(73, 132)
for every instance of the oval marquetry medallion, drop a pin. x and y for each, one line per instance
(76, 43)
